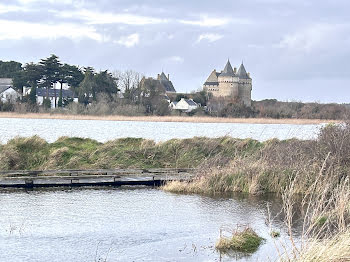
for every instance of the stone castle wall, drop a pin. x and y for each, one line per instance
(228, 86)
(245, 91)
(230, 83)
(239, 89)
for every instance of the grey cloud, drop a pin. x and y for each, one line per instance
(293, 49)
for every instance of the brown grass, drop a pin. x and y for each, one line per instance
(193, 119)
(336, 249)
(313, 180)
(272, 164)
(325, 210)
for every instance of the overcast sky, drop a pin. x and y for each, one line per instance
(294, 49)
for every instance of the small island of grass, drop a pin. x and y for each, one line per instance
(246, 241)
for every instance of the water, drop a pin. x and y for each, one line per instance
(138, 224)
(52, 129)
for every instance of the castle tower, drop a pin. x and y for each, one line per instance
(212, 83)
(244, 86)
(230, 83)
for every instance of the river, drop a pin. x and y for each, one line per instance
(127, 224)
(102, 131)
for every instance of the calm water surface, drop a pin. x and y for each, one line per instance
(52, 129)
(139, 224)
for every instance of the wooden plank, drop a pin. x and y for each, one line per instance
(95, 176)
(111, 177)
(96, 171)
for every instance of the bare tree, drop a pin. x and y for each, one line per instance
(130, 85)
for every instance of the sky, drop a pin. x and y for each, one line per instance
(295, 50)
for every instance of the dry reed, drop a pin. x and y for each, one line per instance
(316, 170)
(194, 119)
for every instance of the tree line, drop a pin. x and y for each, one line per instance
(94, 89)
(129, 93)
(272, 108)
(84, 82)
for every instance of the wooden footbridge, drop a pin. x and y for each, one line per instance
(99, 177)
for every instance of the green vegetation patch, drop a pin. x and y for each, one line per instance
(246, 241)
(322, 220)
(275, 233)
(80, 153)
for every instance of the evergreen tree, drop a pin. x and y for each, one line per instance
(50, 73)
(32, 75)
(87, 87)
(105, 83)
(32, 96)
(9, 69)
(75, 77)
(19, 80)
(63, 78)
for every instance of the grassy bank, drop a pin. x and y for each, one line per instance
(273, 164)
(77, 153)
(317, 170)
(194, 119)
(224, 164)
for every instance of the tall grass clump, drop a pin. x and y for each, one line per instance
(325, 203)
(272, 165)
(317, 171)
(23, 153)
(335, 249)
(244, 240)
(325, 209)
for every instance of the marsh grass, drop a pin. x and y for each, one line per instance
(81, 153)
(316, 171)
(333, 249)
(325, 209)
(193, 119)
(272, 165)
(325, 228)
(242, 240)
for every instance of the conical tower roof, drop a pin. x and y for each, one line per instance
(228, 71)
(242, 73)
(166, 84)
(163, 77)
(213, 78)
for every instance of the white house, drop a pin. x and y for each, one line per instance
(52, 94)
(7, 92)
(57, 85)
(173, 105)
(185, 105)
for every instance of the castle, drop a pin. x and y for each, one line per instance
(230, 83)
(162, 83)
